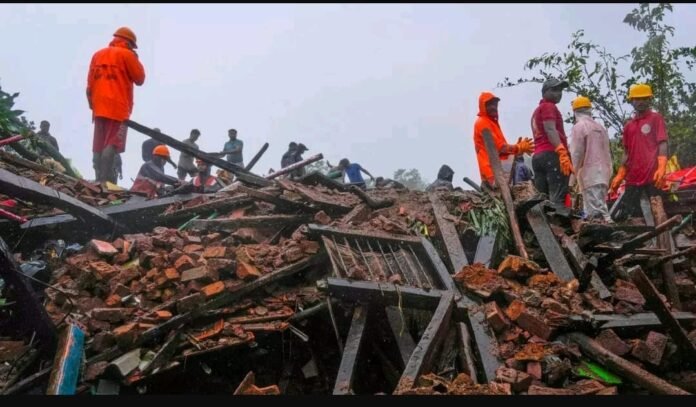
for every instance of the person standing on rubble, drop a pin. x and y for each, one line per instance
(353, 171)
(234, 149)
(149, 145)
(488, 120)
(45, 136)
(444, 180)
(644, 163)
(151, 177)
(589, 150)
(112, 73)
(186, 166)
(551, 160)
(292, 156)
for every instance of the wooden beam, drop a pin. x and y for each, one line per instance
(231, 225)
(257, 157)
(382, 293)
(505, 191)
(320, 200)
(623, 367)
(549, 245)
(241, 174)
(279, 201)
(656, 305)
(351, 352)
(448, 233)
(402, 337)
(619, 321)
(220, 205)
(440, 270)
(24, 188)
(357, 233)
(486, 250)
(295, 166)
(664, 241)
(486, 345)
(422, 358)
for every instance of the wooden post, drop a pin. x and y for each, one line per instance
(505, 191)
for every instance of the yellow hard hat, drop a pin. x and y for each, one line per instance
(639, 90)
(580, 102)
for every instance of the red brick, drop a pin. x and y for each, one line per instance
(519, 381)
(199, 273)
(249, 235)
(533, 324)
(113, 301)
(534, 370)
(322, 218)
(189, 239)
(626, 291)
(118, 244)
(184, 263)
(210, 238)
(650, 350)
(153, 293)
(548, 391)
(168, 293)
(514, 310)
(586, 387)
(309, 246)
(171, 274)
(152, 274)
(121, 290)
(553, 305)
(103, 248)
(125, 335)
(608, 391)
(146, 257)
(213, 289)
(246, 271)
(163, 314)
(293, 254)
(214, 251)
(174, 255)
(495, 317)
(221, 265)
(192, 248)
(103, 270)
(611, 342)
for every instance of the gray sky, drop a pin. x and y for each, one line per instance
(386, 85)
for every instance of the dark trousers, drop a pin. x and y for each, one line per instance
(630, 202)
(548, 178)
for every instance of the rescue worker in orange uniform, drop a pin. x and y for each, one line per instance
(112, 73)
(644, 163)
(151, 177)
(203, 182)
(488, 119)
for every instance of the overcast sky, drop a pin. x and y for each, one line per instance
(386, 85)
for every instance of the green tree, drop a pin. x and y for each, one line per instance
(594, 72)
(410, 178)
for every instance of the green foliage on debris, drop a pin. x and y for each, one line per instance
(12, 121)
(594, 72)
(597, 372)
(490, 216)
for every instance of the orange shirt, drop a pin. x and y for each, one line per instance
(112, 73)
(484, 121)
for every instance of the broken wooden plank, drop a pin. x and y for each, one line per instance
(257, 157)
(623, 367)
(485, 344)
(486, 250)
(31, 313)
(403, 338)
(466, 353)
(382, 293)
(357, 233)
(315, 177)
(24, 188)
(603, 248)
(580, 263)
(163, 355)
(656, 305)
(351, 352)
(449, 235)
(549, 245)
(422, 358)
(280, 202)
(219, 205)
(444, 277)
(318, 199)
(505, 192)
(372, 203)
(292, 167)
(664, 241)
(231, 225)
(67, 362)
(618, 321)
(241, 174)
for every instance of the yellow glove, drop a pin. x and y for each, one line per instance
(661, 170)
(564, 158)
(618, 178)
(525, 145)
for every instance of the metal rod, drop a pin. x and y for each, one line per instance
(403, 273)
(379, 262)
(410, 266)
(425, 273)
(335, 327)
(386, 260)
(369, 269)
(340, 256)
(331, 257)
(350, 250)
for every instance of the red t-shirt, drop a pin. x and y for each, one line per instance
(641, 138)
(546, 111)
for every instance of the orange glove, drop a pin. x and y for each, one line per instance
(661, 170)
(618, 178)
(564, 158)
(525, 145)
